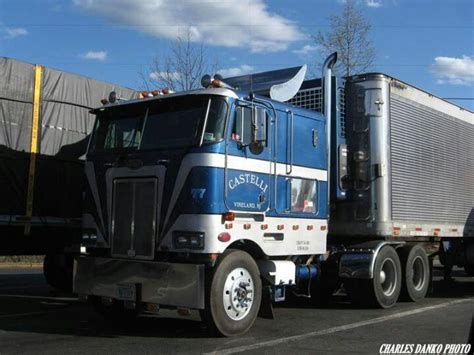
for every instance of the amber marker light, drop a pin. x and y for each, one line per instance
(229, 216)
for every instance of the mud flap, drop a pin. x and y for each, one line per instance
(266, 306)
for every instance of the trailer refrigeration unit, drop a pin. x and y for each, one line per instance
(221, 199)
(44, 128)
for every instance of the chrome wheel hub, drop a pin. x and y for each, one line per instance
(238, 293)
(388, 277)
(418, 274)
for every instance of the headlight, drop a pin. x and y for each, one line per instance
(188, 240)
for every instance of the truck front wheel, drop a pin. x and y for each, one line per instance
(384, 288)
(233, 295)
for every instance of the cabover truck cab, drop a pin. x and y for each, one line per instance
(203, 200)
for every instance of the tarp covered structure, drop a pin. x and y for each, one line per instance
(63, 130)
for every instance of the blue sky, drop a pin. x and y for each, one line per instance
(428, 43)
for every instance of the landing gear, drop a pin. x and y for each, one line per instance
(233, 294)
(58, 270)
(416, 273)
(384, 288)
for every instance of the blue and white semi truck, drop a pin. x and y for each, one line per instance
(224, 199)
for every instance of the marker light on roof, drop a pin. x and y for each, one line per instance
(167, 91)
(144, 95)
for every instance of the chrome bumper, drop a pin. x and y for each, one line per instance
(170, 284)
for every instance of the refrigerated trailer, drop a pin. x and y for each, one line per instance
(224, 199)
(44, 128)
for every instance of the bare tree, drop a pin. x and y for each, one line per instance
(181, 69)
(349, 35)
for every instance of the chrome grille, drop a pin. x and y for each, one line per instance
(134, 218)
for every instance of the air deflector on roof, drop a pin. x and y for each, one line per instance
(280, 85)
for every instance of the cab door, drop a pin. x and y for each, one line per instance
(248, 165)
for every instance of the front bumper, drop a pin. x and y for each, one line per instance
(169, 284)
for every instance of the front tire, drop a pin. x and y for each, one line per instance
(234, 294)
(58, 270)
(416, 273)
(384, 288)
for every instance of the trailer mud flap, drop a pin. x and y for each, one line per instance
(170, 284)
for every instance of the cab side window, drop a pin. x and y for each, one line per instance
(242, 128)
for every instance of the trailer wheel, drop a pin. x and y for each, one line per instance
(58, 270)
(384, 288)
(416, 273)
(233, 295)
(469, 259)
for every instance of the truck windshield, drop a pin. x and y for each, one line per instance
(162, 124)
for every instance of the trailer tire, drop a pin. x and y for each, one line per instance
(58, 270)
(384, 288)
(233, 294)
(416, 273)
(469, 259)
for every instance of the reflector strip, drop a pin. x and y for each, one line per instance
(34, 146)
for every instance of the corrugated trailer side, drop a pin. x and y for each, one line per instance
(411, 163)
(432, 164)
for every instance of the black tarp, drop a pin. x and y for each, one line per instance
(65, 124)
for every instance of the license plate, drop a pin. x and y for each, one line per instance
(127, 292)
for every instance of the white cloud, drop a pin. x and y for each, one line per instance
(236, 71)
(306, 50)
(98, 55)
(15, 32)
(230, 23)
(373, 3)
(368, 3)
(165, 75)
(454, 71)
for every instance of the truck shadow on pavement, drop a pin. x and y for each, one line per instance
(27, 304)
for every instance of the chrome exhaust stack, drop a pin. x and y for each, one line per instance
(327, 90)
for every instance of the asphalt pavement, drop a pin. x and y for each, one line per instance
(35, 318)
